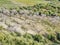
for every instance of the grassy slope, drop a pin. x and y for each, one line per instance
(25, 2)
(31, 2)
(11, 3)
(7, 3)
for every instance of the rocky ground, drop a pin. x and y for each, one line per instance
(29, 22)
(22, 22)
(20, 26)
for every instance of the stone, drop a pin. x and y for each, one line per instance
(13, 12)
(5, 11)
(24, 12)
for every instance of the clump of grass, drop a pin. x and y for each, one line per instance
(13, 38)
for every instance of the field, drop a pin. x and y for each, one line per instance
(29, 22)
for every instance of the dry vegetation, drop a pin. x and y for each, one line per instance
(35, 23)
